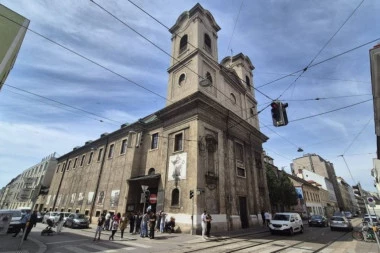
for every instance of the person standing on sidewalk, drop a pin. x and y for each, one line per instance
(60, 223)
(115, 225)
(152, 224)
(203, 220)
(32, 223)
(208, 224)
(131, 222)
(99, 228)
(263, 217)
(144, 225)
(24, 220)
(123, 224)
(267, 217)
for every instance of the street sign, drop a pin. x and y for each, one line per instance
(153, 198)
(371, 202)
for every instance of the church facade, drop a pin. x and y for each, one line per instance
(205, 142)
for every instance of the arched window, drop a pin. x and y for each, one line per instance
(151, 171)
(248, 82)
(209, 77)
(183, 43)
(233, 98)
(181, 79)
(207, 43)
(175, 197)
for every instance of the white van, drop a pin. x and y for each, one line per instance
(286, 222)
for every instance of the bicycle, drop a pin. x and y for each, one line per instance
(367, 233)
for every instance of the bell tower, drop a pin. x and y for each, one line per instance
(195, 52)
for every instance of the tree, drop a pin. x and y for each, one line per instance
(282, 192)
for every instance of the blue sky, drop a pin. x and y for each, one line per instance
(280, 37)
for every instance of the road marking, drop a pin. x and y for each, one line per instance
(105, 250)
(134, 244)
(76, 249)
(66, 241)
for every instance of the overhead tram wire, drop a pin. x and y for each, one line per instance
(61, 103)
(320, 62)
(233, 31)
(349, 146)
(320, 51)
(162, 50)
(324, 98)
(87, 59)
(147, 13)
(60, 107)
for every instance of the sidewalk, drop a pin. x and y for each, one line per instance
(9, 244)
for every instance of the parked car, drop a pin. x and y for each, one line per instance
(50, 215)
(318, 220)
(348, 214)
(77, 220)
(340, 223)
(286, 222)
(65, 215)
(39, 217)
(15, 222)
(338, 213)
(366, 219)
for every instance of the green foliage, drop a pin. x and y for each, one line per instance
(281, 189)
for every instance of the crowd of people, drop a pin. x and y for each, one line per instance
(143, 224)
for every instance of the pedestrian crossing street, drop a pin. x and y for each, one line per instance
(106, 247)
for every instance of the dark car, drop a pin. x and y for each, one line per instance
(77, 220)
(15, 222)
(318, 220)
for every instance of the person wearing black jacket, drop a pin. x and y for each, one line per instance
(31, 223)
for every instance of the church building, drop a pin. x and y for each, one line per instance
(202, 151)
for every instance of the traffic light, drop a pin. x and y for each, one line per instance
(147, 194)
(191, 194)
(279, 115)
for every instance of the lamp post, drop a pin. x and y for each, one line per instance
(144, 189)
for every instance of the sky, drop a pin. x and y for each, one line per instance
(80, 72)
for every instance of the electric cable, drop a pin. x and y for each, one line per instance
(88, 59)
(58, 102)
(233, 31)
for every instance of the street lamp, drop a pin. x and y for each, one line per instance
(144, 189)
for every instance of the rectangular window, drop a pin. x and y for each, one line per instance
(100, 154)
(239, 155)
(63, 167)
(110, 152)
(178, 142)
(240, 172)
(58, 168)
(68, 165)
(123, 148)
(154, 143)
(82, 160)
(90, 158)
(75, 162)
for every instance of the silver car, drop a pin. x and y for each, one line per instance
(340, 223)
(51, 216)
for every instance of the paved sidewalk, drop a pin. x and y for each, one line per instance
(10, 244)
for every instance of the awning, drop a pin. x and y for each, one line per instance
(145, 179)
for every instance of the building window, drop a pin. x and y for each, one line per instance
(75, 162)
(110, 152)
(151, 171)
(248, 82)
(154, 143)
(82, 160)
(175, 197)
(181, 79)
(207, 43)
(178, 142)
(123, 146)
(239, 154)
(240, 172)
(183, 44)
(63, 167)
(90, 158)
(58, 168)
(100, 154)
(209, 77)
(233, 98)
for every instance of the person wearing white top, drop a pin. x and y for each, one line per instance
(203, 218)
